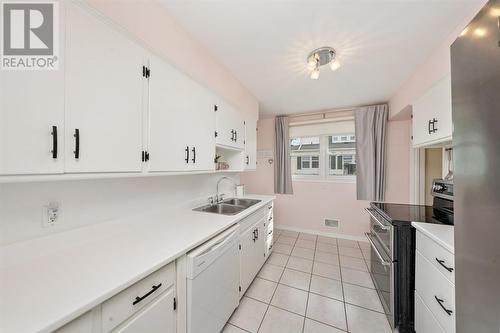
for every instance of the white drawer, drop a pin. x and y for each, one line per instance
(424, 320)
(121, 306)
(440, 258)
(250, 221)
(432, 286)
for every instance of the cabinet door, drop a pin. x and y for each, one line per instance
(250, 162)
(249, 257)
(432, 121)
(230, 126)
(104, 85)
(31, 103)
(159, 316)
(181, 121)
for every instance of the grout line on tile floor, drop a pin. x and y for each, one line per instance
(343, 295)
(274, 292)
(309, 287)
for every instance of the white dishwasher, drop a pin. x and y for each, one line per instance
(213, 279)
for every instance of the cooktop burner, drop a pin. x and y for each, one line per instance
(403, 213)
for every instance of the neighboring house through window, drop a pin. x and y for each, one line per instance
(324, 156)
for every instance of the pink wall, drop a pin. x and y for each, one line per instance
(314, 201)
(434, 68)
(148, 21)
(398, 161)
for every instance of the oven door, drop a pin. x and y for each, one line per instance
(382, 269)
(382, 230)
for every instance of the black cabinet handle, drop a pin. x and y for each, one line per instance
(441, 262)
(257, 231)
(194, 154)
(140, 298)
(187, 154)
(440, 302)
(54, 142)
(232, 135)
(235, 136)
(248, 160)
(429, 127)
(434, 121)
(77, 143)
(254, 235)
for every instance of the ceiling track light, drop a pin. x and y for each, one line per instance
(322, 56)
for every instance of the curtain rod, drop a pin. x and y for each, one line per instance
(331, 111)
(319, 121)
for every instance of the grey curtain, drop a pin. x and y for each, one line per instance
(370, 126)
(282, 167)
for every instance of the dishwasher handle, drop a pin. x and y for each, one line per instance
(218, 244)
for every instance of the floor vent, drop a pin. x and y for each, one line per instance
(333, 223)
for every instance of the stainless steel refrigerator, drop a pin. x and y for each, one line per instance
(475, 74)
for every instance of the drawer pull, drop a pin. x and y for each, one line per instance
(270, 207)
(140, 298)
(440, 302)
(441, 262)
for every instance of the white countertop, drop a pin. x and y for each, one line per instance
(440, 233)
(49, 281)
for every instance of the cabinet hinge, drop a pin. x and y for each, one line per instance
(175, 303)
(146, 72)
(216, 134)
(146, 156)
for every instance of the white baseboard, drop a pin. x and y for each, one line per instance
(321, 233)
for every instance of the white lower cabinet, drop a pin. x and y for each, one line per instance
(424, 320)
(254, 246)
(157, 317)
(434, 290)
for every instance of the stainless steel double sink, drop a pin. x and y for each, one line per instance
(231, 206)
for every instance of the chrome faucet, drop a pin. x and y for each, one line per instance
(220, 197)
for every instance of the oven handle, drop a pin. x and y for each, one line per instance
(374, 247)
(383, 226)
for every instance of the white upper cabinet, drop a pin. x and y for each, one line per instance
(181, 121)
(432, 122)
(32, 119)
(250, 162)
(104, 96)
(230, 126)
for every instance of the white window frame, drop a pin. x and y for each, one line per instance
(324, 165)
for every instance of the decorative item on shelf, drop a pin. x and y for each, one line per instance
(322, 56)
(220, 165)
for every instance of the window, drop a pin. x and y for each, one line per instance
(304, 153)
(324, 157)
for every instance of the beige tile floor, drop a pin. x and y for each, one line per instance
(311, 284)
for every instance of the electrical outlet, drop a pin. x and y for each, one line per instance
(50, 214)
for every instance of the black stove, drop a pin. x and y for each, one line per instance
(403, 213)
(392, 256)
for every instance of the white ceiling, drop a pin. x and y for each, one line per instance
(265, 44)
